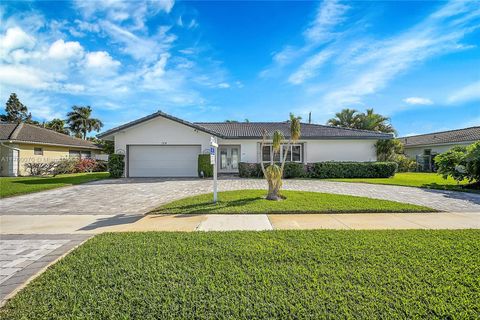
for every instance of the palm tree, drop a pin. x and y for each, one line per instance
(347, 118)
(80, 123)
(274, 173)
(57, 125)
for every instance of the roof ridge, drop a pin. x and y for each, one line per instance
(16, 131)
(438, 132)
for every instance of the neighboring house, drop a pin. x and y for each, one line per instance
(22, 143)
(160, 145)
(424, 147)
(439, 142)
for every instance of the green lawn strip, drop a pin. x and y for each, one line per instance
(12, 186)
(412, 274)
(415, 179)
(253, 201)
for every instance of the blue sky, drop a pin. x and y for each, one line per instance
(417, 62)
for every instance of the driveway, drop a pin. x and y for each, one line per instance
(137, 196)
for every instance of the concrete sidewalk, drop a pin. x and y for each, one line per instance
(94, 224)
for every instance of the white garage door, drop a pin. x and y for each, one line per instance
(163, 161)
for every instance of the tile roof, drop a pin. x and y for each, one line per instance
(254, 130)
(28, 133)
(246, 130)
(452, 136)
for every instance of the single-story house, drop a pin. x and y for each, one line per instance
(439, 142)
(161, 145)
(22, 143)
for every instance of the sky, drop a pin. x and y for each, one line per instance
(417, 62)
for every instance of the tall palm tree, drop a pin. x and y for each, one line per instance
(80, 123)
(274, 173)
(347, 118)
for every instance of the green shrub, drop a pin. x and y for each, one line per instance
(65, 165)
(328, 170)
(249, 170)
(460, 163)
(116, 165)
(452, 163)
(294, 170)
(404, 164)
(205, 166)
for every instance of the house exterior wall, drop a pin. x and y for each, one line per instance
(339, 150)
(27, 155)
(412, 152)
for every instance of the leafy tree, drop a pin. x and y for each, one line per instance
(387, 149)
(106, 145)
(452, 163)
(57, 125)
(231, 121)
(274, 172)
(81, 123)
(347, 118)
(15, 111)
(351, 118)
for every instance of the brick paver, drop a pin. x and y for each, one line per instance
(137, 196)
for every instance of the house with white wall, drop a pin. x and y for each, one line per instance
(161, 145)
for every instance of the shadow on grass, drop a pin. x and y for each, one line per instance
(58, 180)
(207, 207)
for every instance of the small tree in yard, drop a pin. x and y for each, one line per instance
(274, 172)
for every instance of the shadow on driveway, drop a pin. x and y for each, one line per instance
(117, 220)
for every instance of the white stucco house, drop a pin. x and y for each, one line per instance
(161, 145)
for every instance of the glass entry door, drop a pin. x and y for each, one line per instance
(228, 158)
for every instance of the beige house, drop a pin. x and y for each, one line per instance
(22, 143)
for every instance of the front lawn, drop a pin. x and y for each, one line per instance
(415, 274)
(253, 201)
(415, 179)
(12, 186)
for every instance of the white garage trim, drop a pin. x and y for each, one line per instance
(148, 160)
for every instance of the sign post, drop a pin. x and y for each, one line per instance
(213, 161)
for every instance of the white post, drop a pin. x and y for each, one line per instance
(213, 161)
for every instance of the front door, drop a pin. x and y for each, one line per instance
(228, 158)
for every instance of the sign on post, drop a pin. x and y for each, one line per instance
(213, 158)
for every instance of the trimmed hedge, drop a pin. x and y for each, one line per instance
(205, 166)
(326, 170)
(116, 165)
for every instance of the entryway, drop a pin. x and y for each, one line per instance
(228, 159)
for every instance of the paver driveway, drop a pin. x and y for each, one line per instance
(137, 196)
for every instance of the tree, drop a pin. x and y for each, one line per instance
(80, 122)
(347, 118)
(274, 173)
(57, 125)
(16, 111)
(351, 118)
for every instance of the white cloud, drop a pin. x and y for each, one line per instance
(65, 50)
(25, 77)
(310, 68)
(418, 101)
(15, 38)
(468, 93)
(329, 15)
(223, 85)
(101, 61)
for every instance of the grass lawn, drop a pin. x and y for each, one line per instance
(252, 201)
(12, 186)
(415, 179)
(414, 274)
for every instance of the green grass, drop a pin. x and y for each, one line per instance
(414, 274)
(415, 179)
(252, 201)
(12, 186)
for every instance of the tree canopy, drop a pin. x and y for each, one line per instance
(15, 111)
(80, 121)
(351, 118)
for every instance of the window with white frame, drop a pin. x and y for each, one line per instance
(293, 153)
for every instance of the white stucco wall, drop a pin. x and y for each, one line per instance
(248, 148)
(413, 152)
(160, 131)
(340, 150)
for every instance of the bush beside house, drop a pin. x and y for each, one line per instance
(205, 169)
(326, 170)
(460, 163)
(116, 165)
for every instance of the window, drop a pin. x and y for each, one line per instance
(294, 153)
(427, 152)
(74, 154)
(86, 154)
(38, 151)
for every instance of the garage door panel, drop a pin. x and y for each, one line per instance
(163, 161)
